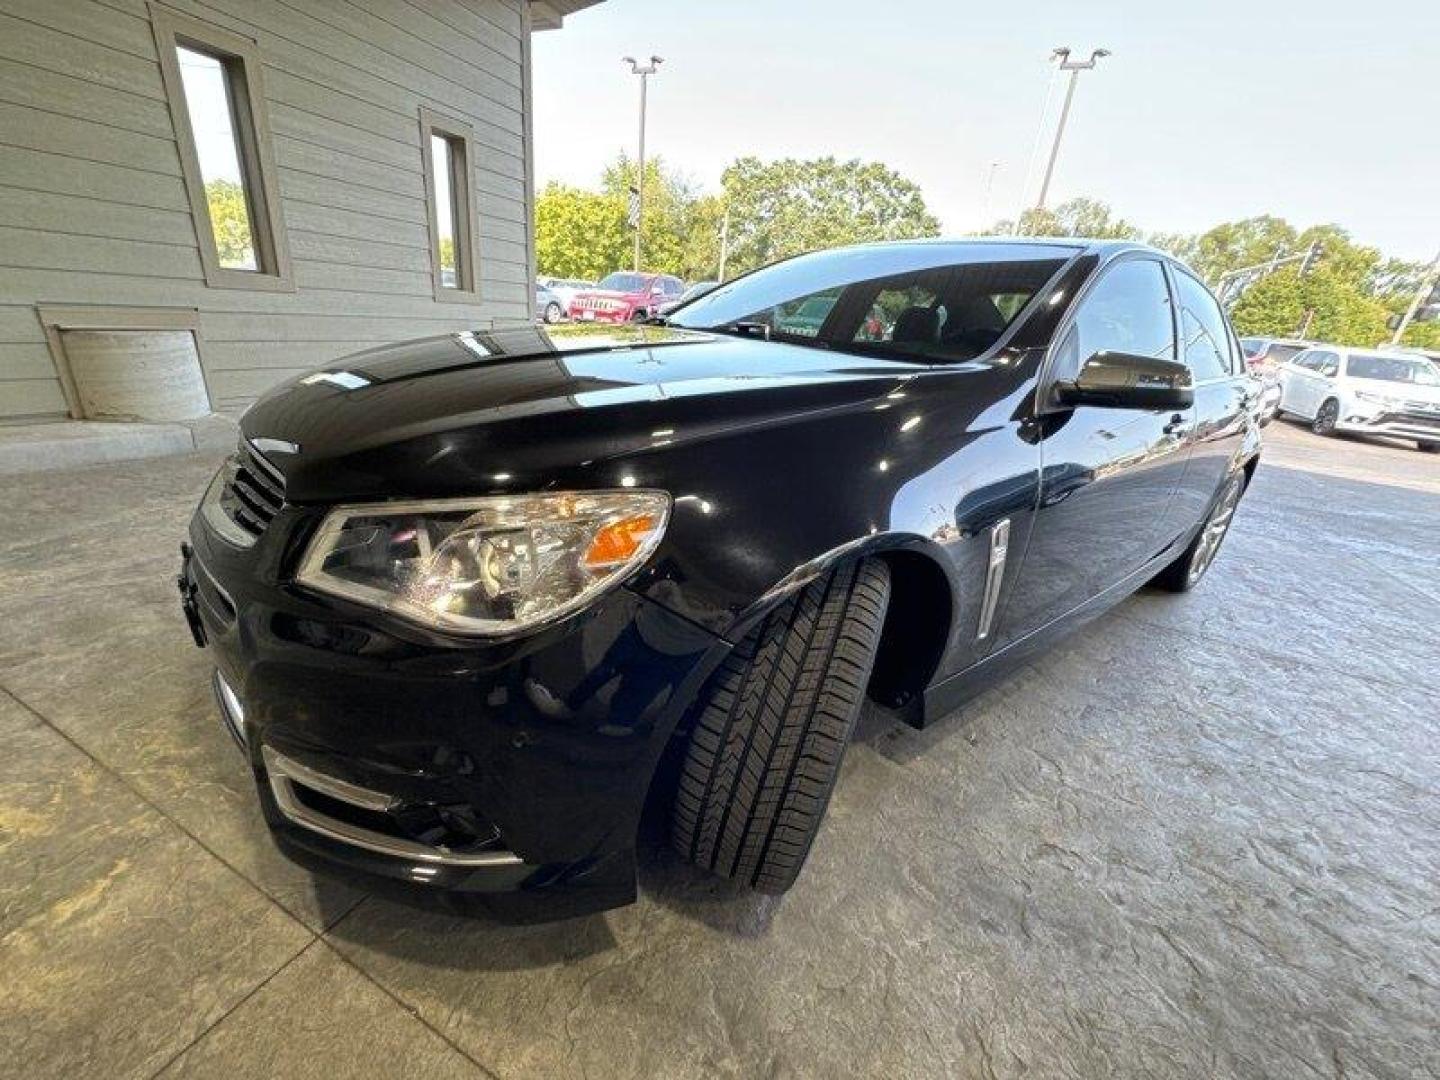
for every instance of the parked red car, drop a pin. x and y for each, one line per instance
(624, 296)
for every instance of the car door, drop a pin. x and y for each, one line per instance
(1291, 376)
(1224, 395)
(1327, 380)
(1108, 475)
(1306, 386)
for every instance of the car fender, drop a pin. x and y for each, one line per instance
(878, 545)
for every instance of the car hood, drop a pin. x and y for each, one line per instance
(523, 408)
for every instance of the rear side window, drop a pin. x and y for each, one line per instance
(1401, 369)
(1128, 311)
(1203, 330)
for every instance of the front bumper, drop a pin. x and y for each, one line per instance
(585, 315)
(465, 766)
(1398, 424)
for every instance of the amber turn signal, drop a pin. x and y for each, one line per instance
(618, 541)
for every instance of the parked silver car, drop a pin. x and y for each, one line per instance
(1263, 357)
(1364, 391)
(565, 288)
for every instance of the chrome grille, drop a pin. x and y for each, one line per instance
(254, 492)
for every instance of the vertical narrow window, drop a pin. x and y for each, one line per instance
(212, 122)
(445, 215)
(212, 80)
(446, 148)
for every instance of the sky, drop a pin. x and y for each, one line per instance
(1321, 111)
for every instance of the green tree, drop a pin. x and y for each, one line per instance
(587, 234)
(230, 221)
(1234, 244)
(782, 208)
(669, 198)
(1077, 217)
(578, 233)
(1342, 313)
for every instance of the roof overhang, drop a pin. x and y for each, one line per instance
(550, 14)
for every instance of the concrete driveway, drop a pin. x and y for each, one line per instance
(1201, 838)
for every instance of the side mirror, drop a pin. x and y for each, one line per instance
(1117, 380)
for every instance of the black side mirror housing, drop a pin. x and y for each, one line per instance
(1116, 380)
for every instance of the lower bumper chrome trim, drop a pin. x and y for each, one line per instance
(231, 711)
(285, 773)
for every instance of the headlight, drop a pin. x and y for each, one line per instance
(485, 566)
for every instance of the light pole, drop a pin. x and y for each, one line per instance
(1062, 54)
(989, 188)
(644, 71)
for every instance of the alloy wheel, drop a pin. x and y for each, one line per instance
(1214, 530)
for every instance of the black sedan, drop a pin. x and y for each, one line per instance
(475, 600)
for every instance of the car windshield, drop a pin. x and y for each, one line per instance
(1393, 369)
(927, 301)
(1281, 353)
(1253, 346)
(619, 282)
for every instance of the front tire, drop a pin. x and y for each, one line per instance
(1185, 572)
(772, 728)
(552, 312)
(1326, 417)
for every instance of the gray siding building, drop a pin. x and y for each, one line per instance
(199, 198)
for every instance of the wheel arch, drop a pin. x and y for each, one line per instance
(924, 600)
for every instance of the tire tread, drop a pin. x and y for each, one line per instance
(771, 730)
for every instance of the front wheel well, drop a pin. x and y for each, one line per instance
(916, 630)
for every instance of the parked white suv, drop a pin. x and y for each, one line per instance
(1364, 392)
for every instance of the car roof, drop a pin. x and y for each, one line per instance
(1076, 243)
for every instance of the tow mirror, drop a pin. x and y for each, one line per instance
(1117, 380)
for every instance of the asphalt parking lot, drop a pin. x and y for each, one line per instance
(1201, 838)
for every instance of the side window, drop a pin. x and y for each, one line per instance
(212, 82)
(1128, 311)
(1306, 360)
(805, 316)
(1203, 330)
(904, 314)
(447, 150)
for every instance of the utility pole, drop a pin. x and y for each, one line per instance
(1427, 285)
(1062, 54)
(644, 71)
(989, 189)
(724, 243)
